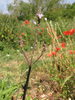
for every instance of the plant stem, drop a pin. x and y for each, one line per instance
(26, 84)
(34, 45)
(25, 56)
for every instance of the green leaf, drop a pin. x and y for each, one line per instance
(10, 89)
(19, 95)
(66, 81)
(28, 98)
(35, 98)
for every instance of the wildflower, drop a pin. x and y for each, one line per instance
(60, 36)
(66, 32)
(26, 22)
(22, 24)
(20, 42)
(17, 33)
(74, 51)
(45, 19)
(23, 45)
(69, 32)
(49, 30)
(34, 22)
(63, 45)
(48, 34)
(70, 51)
(53, 53)
(20, 37)
(20, 45)
(61, 56)
(50, 94)
(17, 50)
(42, 28)
(72, 30)
(52, 31)
(57, 49)
(52, 36)
(39, 15)
(40, 33)
(8, 55)
(31, 47)
(43, 31)
(50, 55)
(22, 33)
(35, 27)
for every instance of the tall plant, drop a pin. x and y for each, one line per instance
(39, 16)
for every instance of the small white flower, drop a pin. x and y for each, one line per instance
(69, 99)
(8, 55)
(17, 50)
(31, 47)
(45, 19)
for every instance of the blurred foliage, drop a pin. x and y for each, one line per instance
(11, 26)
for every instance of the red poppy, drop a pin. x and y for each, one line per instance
(52, 36)
(35, 27)
(43, 31)
(69, 32)
(57, 49)
(17, 33)
(22, 33)
(49, 30)
(63, 45)
(42, 28)
(53, 53)
(22, 24)
(48, 34)
(50, 55)
(70, 51)
(74, 51)
(61, 56)
(26, 22)
(72, 30)
(66, 32)
(40, 33)
(20, 36)
(23, 45)
(60, 36)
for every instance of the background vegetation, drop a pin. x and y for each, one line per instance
(54, 75)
